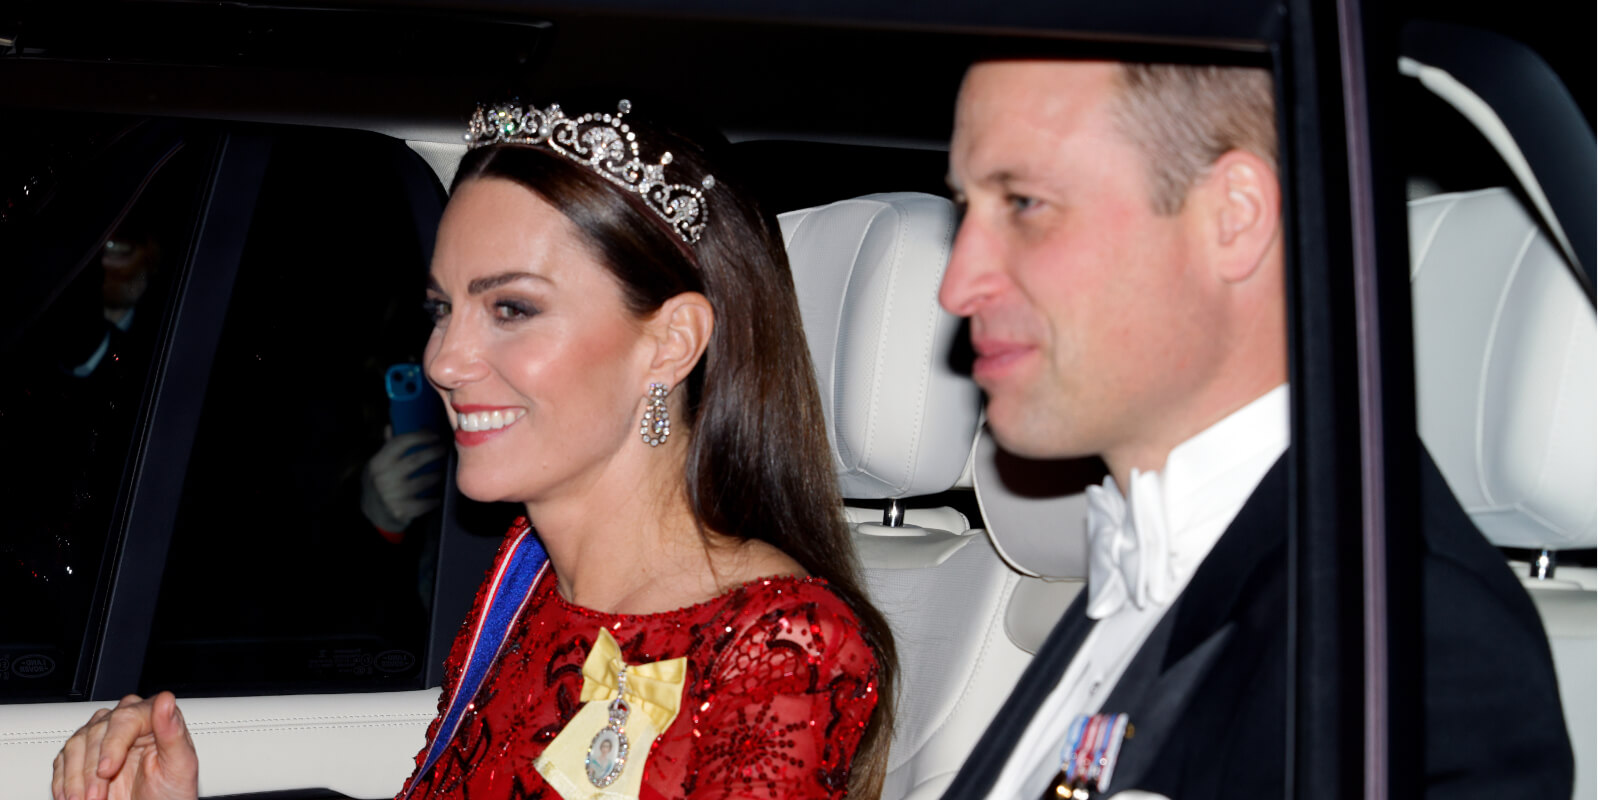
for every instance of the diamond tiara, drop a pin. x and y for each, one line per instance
(606, 145)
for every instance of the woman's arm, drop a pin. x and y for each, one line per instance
(794, 693)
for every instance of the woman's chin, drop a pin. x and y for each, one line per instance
(485, 491)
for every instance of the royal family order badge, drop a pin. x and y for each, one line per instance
(600, 754)
(608, 750)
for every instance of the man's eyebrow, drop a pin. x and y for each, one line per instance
(1000, 177)
(484, 284)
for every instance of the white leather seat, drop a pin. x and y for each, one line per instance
(901, 422)
(1505, 353)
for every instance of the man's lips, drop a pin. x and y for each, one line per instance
(995, 357)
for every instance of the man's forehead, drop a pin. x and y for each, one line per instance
(1009, 112)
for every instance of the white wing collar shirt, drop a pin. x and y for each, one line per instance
(1143, 549)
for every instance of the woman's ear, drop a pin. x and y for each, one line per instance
(682, 331)
(1244, 211)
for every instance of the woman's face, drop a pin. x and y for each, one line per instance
(541, 366)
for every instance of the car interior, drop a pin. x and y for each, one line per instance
(970, 552)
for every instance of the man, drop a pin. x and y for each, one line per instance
(1121, 259)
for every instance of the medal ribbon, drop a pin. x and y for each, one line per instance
(509, 589)
(1089, 755)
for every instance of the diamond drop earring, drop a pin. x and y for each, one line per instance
(656, 425)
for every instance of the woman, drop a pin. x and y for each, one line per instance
(698, 629)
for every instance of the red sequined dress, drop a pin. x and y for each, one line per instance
(780, 685)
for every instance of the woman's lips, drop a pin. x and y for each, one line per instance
(476, 424)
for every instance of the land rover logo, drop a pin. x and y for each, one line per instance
(33, 665)
(395, 661)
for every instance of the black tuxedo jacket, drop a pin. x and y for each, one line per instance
(1207, 692)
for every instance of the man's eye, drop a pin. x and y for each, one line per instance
(1020, 203)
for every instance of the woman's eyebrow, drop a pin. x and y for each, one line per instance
(484, 284)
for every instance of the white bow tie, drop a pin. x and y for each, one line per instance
(1129, 556)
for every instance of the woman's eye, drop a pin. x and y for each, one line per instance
(511, 310)
(436, 309)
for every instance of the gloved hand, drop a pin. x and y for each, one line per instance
(395, 486)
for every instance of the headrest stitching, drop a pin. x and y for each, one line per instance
(931, 327)
(810, 214)
(1480, 424)
(1574, 331)
(873, 404)
(841, 409)
(1433, 235)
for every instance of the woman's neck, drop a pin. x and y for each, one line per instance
(632, 551)
(626, 541)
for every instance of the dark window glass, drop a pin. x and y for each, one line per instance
(98, 217)
(275, 581)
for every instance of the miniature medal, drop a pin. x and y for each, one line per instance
(608, 750)
(1089, 756)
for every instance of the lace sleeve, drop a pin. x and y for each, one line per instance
(794, 691)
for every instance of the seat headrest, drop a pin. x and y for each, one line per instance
(1505, 362)
(867, 273)
(1034, 510)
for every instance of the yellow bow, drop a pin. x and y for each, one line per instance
(654, 689)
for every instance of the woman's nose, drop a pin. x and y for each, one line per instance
(453, 359)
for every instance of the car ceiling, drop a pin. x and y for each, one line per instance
(852, 72)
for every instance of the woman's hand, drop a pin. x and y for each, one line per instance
(140, 750)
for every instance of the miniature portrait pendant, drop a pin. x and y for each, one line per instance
(608, 750)
(601, 752)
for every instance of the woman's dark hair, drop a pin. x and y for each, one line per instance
(759, 466)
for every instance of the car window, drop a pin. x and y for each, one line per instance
(96, 231)
(275, 580)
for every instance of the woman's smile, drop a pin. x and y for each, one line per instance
(476, 424)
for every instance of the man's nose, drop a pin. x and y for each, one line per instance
(973, 274)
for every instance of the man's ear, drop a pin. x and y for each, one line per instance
(682, 331)
(1243, 212)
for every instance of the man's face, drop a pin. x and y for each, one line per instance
(1086, 306)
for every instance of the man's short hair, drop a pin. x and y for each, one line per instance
(1184, 117)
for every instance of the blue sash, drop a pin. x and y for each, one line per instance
(509, 589)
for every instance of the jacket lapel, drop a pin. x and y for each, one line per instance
(1154, 702)
(1181, 651)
